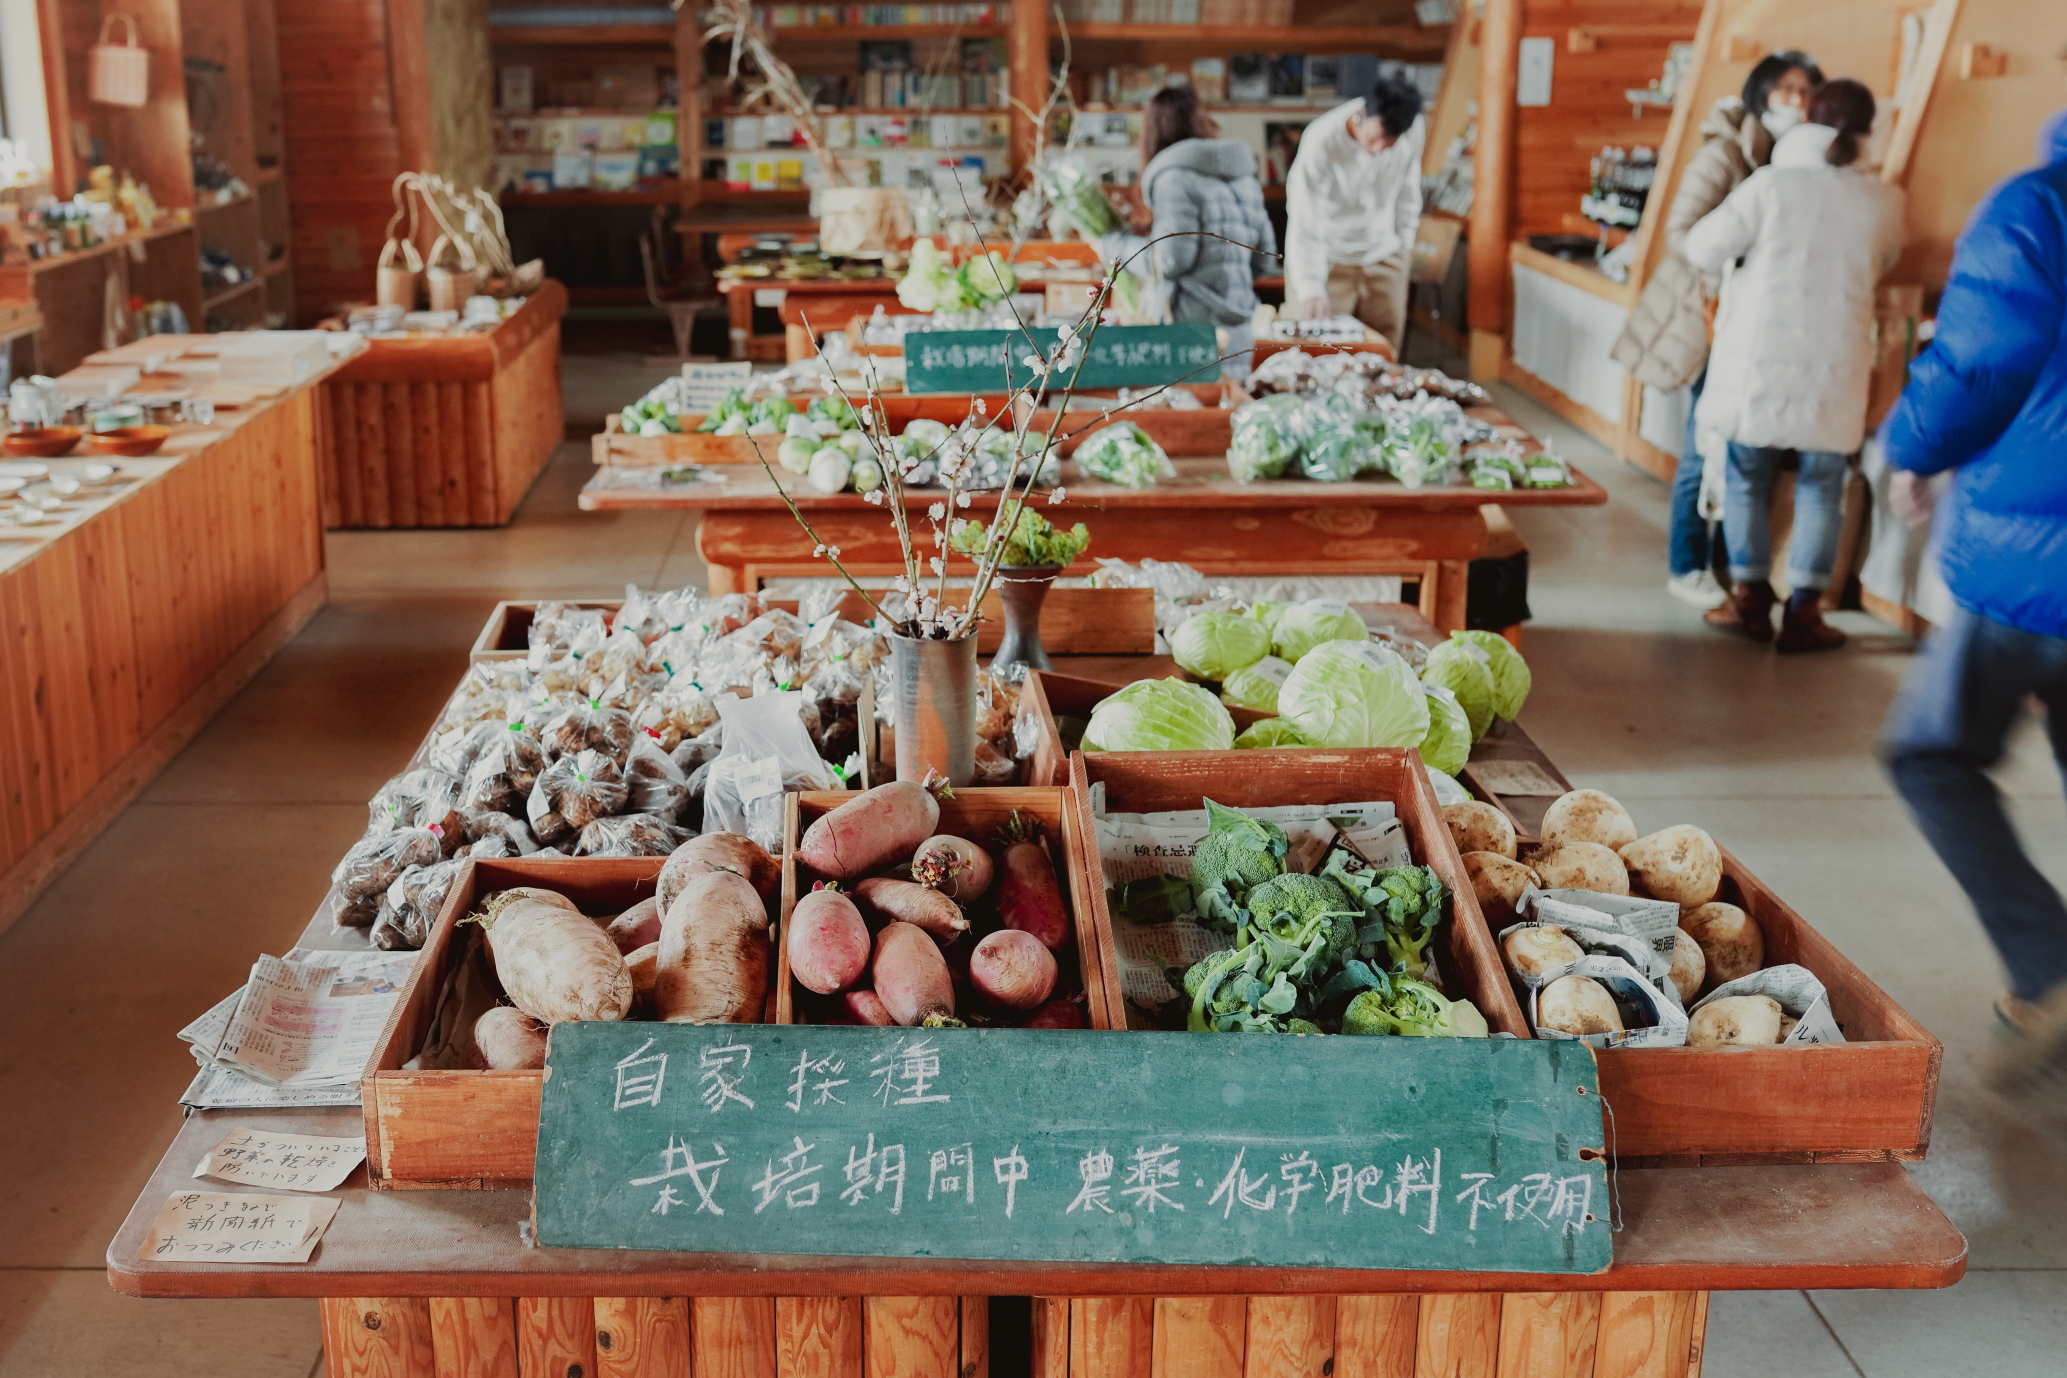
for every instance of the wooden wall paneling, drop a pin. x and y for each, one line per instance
(556, 1337)
(528, 425)
(818, 1337)
(1290, 1337)
(975, 1337)
(1200, 1337)
(1492, 203)
(373, 453)
(217, 33)
(428, 447)
(474, 1337)
(1051, 1337)
(1647, 1334)
(150, 141)
(110, 643)
(1548, 1334)
(1111, 1337)
(400, 456)
(452, 451)
(483, 505)
(378, 1337)
(30, 780)
(1459, 1337)
(1374, 1336)
(460, 95)
(910, 1337)
(642, 1337)
(732, 1337)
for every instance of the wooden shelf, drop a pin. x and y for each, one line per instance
(710, 191)
(1257, 39)
(274, 267)
(553, 35)
(661, 196)
(880, 110)
(851, 32)
(209, 303)
(72, 256)
(206, 207)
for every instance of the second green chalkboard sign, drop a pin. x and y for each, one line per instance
(1121, 356)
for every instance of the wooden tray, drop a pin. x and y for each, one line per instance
(1153, 781)
(975, 812)
(466, 1129)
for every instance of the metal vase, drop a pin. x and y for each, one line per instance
(934, 712)
(1022, 589)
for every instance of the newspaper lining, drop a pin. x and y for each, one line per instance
(298, 1033)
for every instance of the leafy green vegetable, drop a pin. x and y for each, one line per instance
(1214, 644)
(1402, 906)
(1160, 715)
(1419, 455)
(1237, 854)
(1447, 745)
(1124, 454)
(1271, 732)
(1256, 686)
(1259, 451)
(1303, 626)
(1034, 540)
(1511, 678)
(1413, 1009)
(732, 404)
(1354, 694)
(837, 410)
(1462, 668)
(1151, 899)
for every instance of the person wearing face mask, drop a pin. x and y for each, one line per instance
(1665, 344)
(1793, 352)
(1352, 205)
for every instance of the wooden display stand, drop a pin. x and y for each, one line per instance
(445, 430)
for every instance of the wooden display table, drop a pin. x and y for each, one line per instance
(810, 306)
(1202, 517)
(445, 430)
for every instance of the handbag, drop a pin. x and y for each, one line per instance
(450, 286)
(118, 73)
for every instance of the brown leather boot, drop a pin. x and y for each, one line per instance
(1802, 628)
(1749, 613)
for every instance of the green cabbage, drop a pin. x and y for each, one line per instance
(1256, 686)
(1213, 645)
(1511, 677)
(1260, 451)
(1124, 454)
(1447, 744)
(1355, 694)
(1462, 668)
(1160, 715)
(1267, 612)
(1270, 732)
(1304, 626)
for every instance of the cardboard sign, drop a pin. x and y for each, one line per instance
(1445, 1154)
(1120, 356)
(705, 385)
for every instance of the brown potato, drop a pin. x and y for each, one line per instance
(1581, 866)
(1680, 863)
(1479, 827)
(1497, 883)
(1577, 1005)
(1689, 965)
(1533, 951)
(1587, 815)
(1732, 944)
(1736, 1021)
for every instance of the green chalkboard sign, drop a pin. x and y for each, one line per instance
(1121, 356)
(1171, 1148)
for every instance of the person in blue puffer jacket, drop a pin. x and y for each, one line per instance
(1987, 401)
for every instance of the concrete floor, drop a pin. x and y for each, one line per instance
(226, 854)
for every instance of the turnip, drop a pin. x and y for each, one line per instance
(734, 852)
(1732, 944)
(644, 965)
(636, 926)
(1060, 1013)
(713, 953)
(1689, 966)
(872, 829)
(891, 900)
(1787, 1023)
(1680, 863)
(1587, 815)
(1479, 827)
(1581, 866)
(555, 963)
(1577, 1005)
(866, 1008)
(795, 452)
(1533, 951)
(954, 866)
(1013, 968)
(508, 1040)
(1739, 1020)
(830, 470)
(910, 977)
(828, 942)
(1497, 883)
(1029, 896)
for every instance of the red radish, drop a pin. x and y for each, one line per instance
(508, 1040)
(866, 1008)
(828, 942)
(1013, 969)
(1029, 896)
(1060, 1013)
(903, 901)
(911, 977)
(636, 926)
(954, 866)
(733, 852)
(870, 831)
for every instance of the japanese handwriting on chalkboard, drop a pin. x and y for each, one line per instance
(1150, 1172)
(796, 1181)
(719, 1083)
(952, 1172)
(908, 1072)
(1239, 1186)
(1011, 1171)
(1559, 1203)
(639, 1077)
(826, 1069)
(679, 1160)
(875, 1170)
(1096, 1171)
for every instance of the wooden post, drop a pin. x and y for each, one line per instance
(642, 1337)
(1492, 180)
(1647, 1334)
(911, 1337)
(1201, 1337)
(1460, 1336)
(818, 1337)
(1290, 1337)
(1374, 1336)
(556, 1337)
(1111, 1337)
(378, 1337)
(474, 1337)
(1029, 77)
(1549, 1334)
(732, 1337)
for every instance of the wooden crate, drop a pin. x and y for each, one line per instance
(976, 813)
(1154, 781)
(467, 1129)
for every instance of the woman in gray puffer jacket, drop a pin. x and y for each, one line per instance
(1194, 181)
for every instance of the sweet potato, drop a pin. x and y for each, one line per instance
(508, 1040)
(644, 965)
(866, 1008)
(955, 866)
(1060, 1013)
(554, 962)
(828, 942)
(636, 926)
(890, 900)
(1029, 896)
(872, 830)
(1013, 968)
(911, 976)
(734, 852)
(713, 953)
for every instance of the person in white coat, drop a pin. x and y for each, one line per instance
(1793, 352)
(1352, 206)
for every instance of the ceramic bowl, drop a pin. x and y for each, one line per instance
(130, 442)
(97, 475)
(45, 442)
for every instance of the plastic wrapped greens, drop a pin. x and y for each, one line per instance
(1123, 454)
(1264, 444)
(1420, 455)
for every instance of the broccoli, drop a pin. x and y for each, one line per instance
(1413, 1009)
(1202, 984)
(1302, 897)
(1237, 854)
(1402, 906)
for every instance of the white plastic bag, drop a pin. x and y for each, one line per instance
(767, 752)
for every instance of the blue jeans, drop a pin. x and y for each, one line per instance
(1818, 514)
(1691, 547)
(1946, 728)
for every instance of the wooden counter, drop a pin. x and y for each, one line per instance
(439, 430)
(130, 624)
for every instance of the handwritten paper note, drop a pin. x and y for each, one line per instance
(214, 1227)
(282, 1162)
(1521, 778)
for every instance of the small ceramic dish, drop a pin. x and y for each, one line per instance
(29, 516)
(44, 442)
(22, 468)
(131, 442)
(97, 475)
(10, 485)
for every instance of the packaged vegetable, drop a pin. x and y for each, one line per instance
(585, 727)
(574, 792)
(1123, 454)
(628, 834)
(373, 864)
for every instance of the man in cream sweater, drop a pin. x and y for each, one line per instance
(1352, 204)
